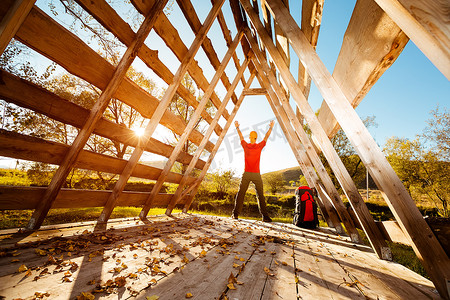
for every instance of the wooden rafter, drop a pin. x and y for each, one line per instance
(363, 57)
(13, 19)
(109, 18)
(95, 114)
(67, 112)
(159, 112)
(173, 40)
(52, 40)
(426, 245)
(426, 23)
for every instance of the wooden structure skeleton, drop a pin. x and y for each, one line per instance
(265, 59)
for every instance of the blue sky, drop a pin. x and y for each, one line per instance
(401, 99)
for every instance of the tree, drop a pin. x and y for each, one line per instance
(421, 171)
(437, 133)
(275, 181)
(222, 180)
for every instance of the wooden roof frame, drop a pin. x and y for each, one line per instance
(22, 20)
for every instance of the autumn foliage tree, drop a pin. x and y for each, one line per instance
(423, 163)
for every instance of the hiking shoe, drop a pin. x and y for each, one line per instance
(266, 219)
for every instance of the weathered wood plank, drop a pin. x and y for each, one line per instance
(228, 38)
(172, 39)
(189, 12)
(255, 92)
(333, 159)
(47, 37)
(12, 20)
(426, 23)
(402, 206)
(67, 112)
(29, 197)
(371, 44)
(109, 18)
(19, 146)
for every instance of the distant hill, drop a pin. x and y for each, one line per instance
(288, 174)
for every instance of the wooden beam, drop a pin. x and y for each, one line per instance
(227, 36)
(208, 133)
(13, 197)
(426, 246)
(195, 117)
(111, 20)
(311, 19)
(41, 33)
(170, 36)
(13, 19)
(96, 113)
(189, 12)
(329, 213)
(370, 46)
(20, 146)
(159, 112)
(254, 92)
(342, 175)
(426, 23)
(179, 193)
(44, 102)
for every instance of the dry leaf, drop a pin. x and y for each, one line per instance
(40, 252)
(153, 281)
(203, 253)
(296, 279)
(23, 268)
(153, 297)
(189, 295)
(15, 260)
(86, 296)
(231, 278)
(231, 286)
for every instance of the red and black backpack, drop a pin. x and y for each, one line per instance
(305, 214)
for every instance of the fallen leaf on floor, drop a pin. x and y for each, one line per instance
(23, 268)
(231, 286)
(231, 278)
(267, 270)
(86, 296)
(39, 295)
(153, 297)
(189, 295)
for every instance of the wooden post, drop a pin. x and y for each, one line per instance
(363, 57)
(426, 24)
(96, 113)
(159, 112)
(426, 246)
(355, 199)
(300, 154)
(192, 122)
(11, 22)
(207, 135)
(194, 187)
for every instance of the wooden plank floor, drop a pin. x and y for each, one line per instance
(198, 257)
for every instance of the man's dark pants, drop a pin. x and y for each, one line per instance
(248, 177)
